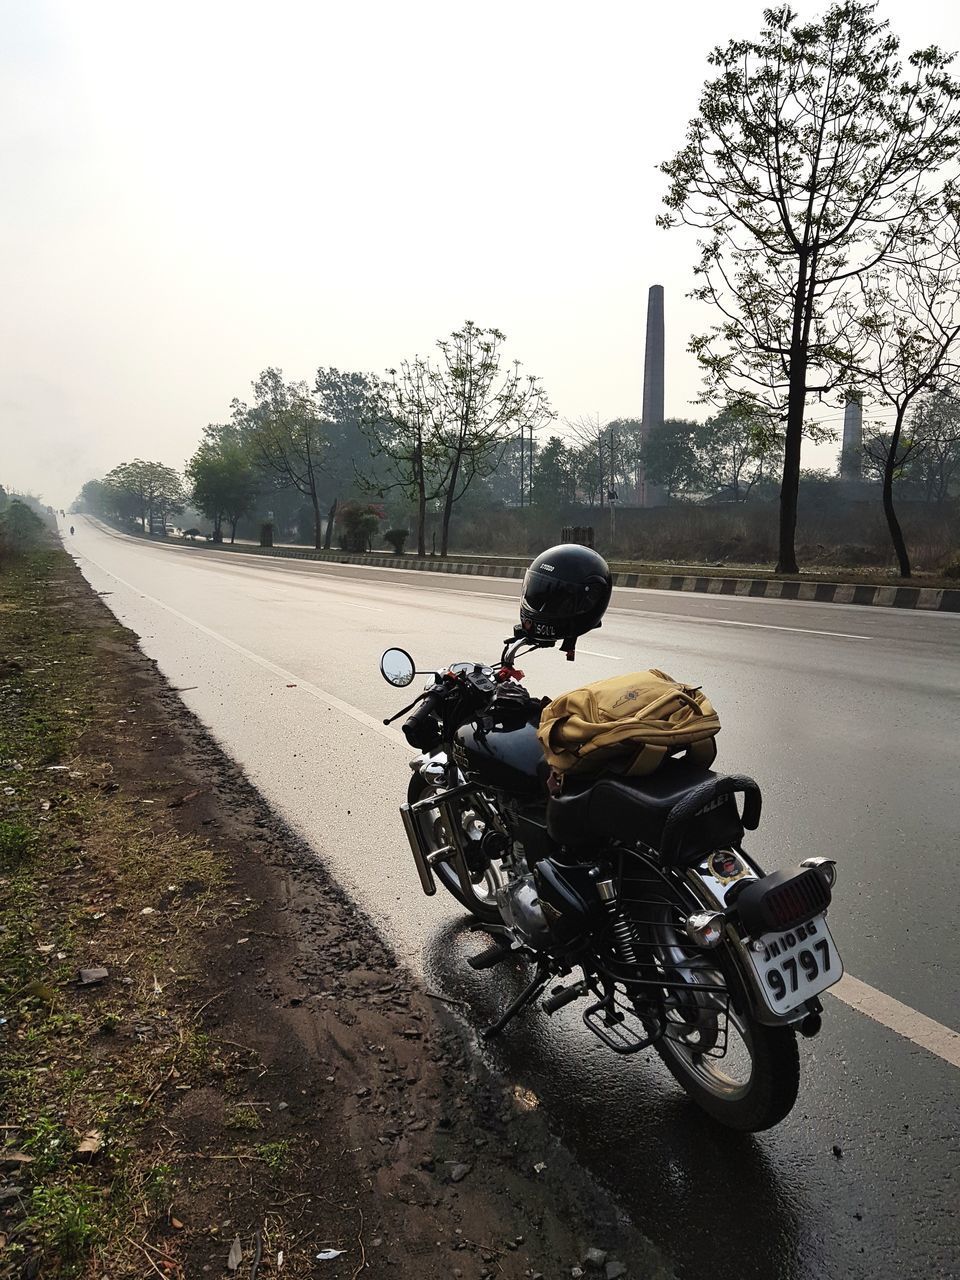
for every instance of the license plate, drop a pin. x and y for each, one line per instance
(796, 964)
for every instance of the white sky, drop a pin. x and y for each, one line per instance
(193, 191)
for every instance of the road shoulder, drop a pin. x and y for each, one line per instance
(254, 1074)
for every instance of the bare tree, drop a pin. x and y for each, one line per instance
(813, 159)
(907, 320)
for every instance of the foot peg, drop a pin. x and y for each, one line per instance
(487, 959)
(562, 996)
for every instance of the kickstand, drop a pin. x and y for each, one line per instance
(528, 994)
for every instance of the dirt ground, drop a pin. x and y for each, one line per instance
(281, 1087)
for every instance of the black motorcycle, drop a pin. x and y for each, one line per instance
(633, 896)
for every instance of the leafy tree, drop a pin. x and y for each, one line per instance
(345, 401)
(151, 491)
(737, 449)
(626, 455)
(935, 430)
(813, 159)
(671, 457)
(553, 478)
(287, 436)
(402, 427)
(224, 483)
(436, 428)
(479, 405)
(906, 330)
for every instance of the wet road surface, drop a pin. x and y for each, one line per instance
(847, 718)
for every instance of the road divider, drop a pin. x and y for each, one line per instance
(936, 599)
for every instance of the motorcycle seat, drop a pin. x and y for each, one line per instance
(682, 810)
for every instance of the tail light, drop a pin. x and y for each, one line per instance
(782, 900)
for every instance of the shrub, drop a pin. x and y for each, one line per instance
(358, 524)
(396, 538)
(951, 568)
(20, 530)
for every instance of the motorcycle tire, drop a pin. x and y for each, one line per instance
(483, 908)
(751, 1106)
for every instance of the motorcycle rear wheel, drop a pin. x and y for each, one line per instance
(749, 1102)
(742, 1072)
(478, 899)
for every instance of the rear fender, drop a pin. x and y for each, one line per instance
(710, 888)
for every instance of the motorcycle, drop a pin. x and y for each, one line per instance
(632, 896)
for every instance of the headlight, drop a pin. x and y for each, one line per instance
(826, 866)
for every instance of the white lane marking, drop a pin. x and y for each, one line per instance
(593, 654)
(289, 677)
(909, 1023)
(876, 1005)
(729, 622)
(451, 590)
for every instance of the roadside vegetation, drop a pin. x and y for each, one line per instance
(92, 959)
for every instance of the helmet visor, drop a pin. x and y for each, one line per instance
(551, 597)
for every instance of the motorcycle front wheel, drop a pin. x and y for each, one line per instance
(478, 897)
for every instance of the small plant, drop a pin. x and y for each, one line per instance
(68, 1217)
(16, 842)
(275, 1155)
(397, 538)
(47, 1143)
(951, 569)
(243, 1116)
(160, 1184)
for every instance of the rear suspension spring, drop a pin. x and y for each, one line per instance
(623, 939)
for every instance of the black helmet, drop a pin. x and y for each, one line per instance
(565, 593)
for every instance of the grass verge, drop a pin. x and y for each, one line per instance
(91, 878)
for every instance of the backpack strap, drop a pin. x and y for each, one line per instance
(645, 761)
(650, 757)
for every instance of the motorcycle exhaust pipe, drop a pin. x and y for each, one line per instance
(415, 837)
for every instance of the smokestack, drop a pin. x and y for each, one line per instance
(653, 361)
(651, 495)
(851, 454)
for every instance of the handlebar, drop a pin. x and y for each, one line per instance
(421, 729)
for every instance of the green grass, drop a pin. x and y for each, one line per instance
(78, 861)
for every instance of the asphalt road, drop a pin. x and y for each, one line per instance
(848, 719)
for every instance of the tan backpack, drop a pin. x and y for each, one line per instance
(628, 724)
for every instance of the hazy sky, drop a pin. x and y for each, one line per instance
(193, 191)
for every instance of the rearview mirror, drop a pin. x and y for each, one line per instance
(397, 668)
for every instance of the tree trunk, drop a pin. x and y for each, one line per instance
(331, 516)
(448, 509)
(893, 524)
(796, 400)
(421, 522)
(317, 523)
(233, 530)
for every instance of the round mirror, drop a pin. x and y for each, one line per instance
(397, 667)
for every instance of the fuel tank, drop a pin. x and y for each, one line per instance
(503, 756)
